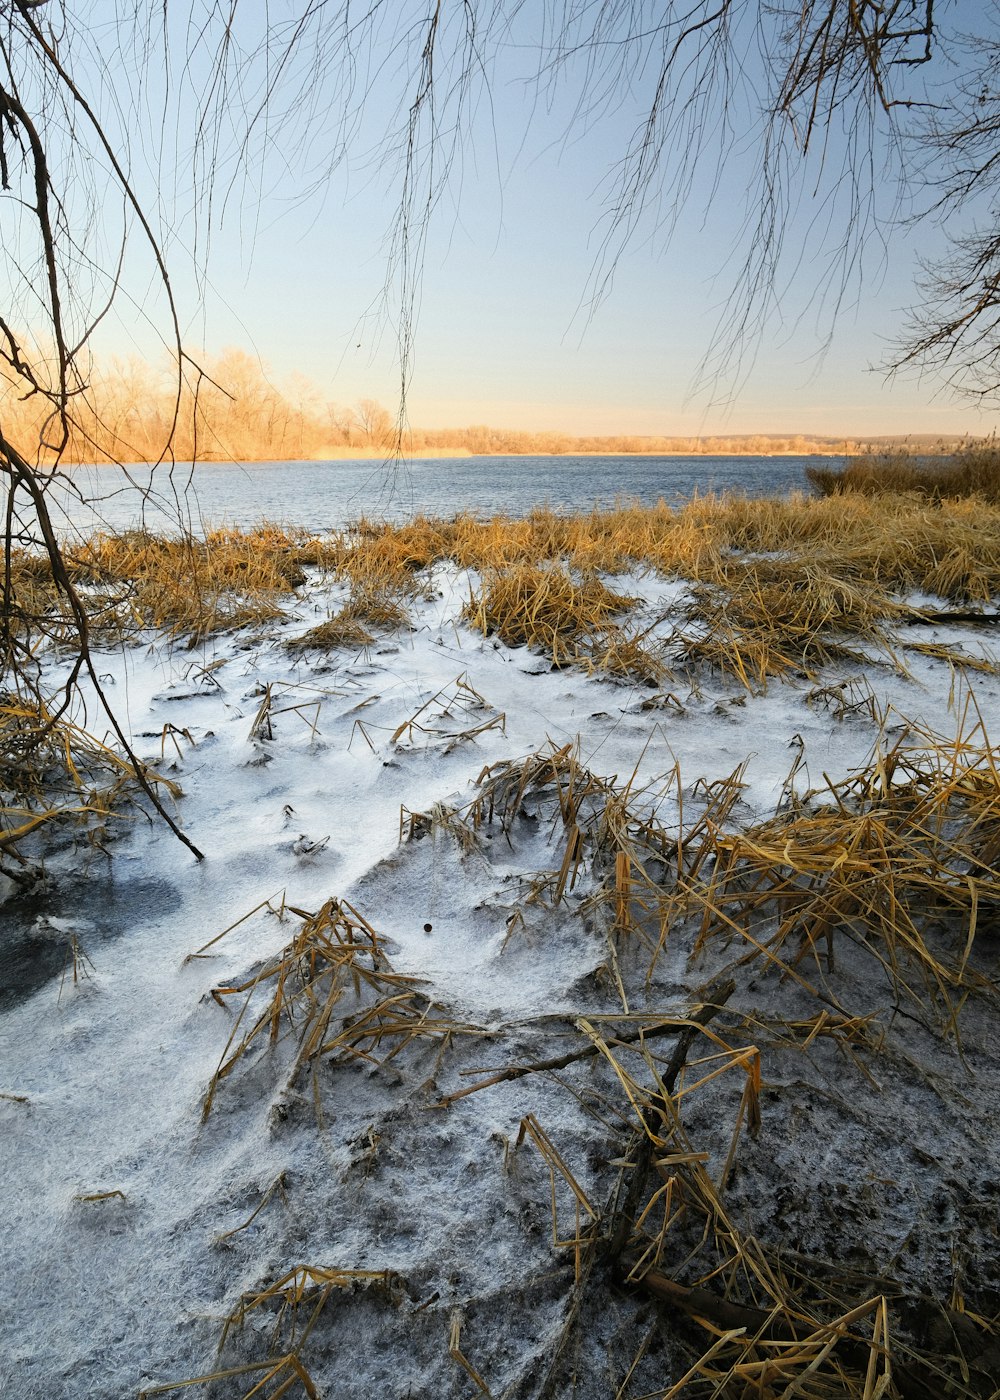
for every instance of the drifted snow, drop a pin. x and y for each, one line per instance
(102, 1297)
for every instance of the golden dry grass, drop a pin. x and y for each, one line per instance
(782, 618)
(810, 566)
(295, 1301)
(52, 771)
(186, 586)
(354, 625)
(775, 588)
(972, 471)
(896, 866)
(334, 993)
(547, 608)
(899, 863)
(900, 860)
(341, 631)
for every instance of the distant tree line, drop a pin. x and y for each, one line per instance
(231, 411)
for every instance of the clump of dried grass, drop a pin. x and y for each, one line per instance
(333, 991)
(296, 1300)
(354, 625)
(781, 621)
(53, 772)
(853, 697)
(897, 543)
(381, 610)
(901, 858)
(342, 631)
(455, 714)
(624, 656)
(553, 776)
(755, 1320)
(379, 558)
(972, 471)
(184, 585)
(36, 601)
(545, 608)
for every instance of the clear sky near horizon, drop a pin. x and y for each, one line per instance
(503, 332)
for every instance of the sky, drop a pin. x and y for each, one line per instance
(295, 262)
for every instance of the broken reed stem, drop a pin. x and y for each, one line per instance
(686, 1029)
(913, 1379)
(621, 1217)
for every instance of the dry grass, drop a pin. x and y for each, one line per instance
(546, 608)
(853, 697)
(635, 658)
(900, 859)
(296, 1300)
(780, 587)
(810, 568)
(36, 604)
(52, 771)
(453, 715)
(551, 775)
(341, 632)
(380, 558)
(898, 863)
(185, 586)
(333, 992)
(353, 627)
(781, 621)
(973, 471)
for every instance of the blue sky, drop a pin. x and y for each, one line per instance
(503, 333)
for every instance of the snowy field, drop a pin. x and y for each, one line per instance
(212, 1164)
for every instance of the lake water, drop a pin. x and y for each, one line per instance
(325, 495)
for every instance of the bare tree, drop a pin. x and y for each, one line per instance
(56, 293)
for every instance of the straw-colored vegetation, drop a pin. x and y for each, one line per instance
(897, 867)
(974, 470)
(825, 566)
(775, 588)
(331, 990)
(186, 586)
(54, 773)
(546, 608)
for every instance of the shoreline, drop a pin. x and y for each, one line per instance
(451, 454)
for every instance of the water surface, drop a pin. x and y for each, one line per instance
(326, 495)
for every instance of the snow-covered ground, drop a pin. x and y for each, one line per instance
(133, 1226)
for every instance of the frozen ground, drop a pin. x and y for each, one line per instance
(132, 1228)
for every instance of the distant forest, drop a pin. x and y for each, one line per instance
(233, 412)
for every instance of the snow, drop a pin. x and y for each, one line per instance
(119, 1200)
